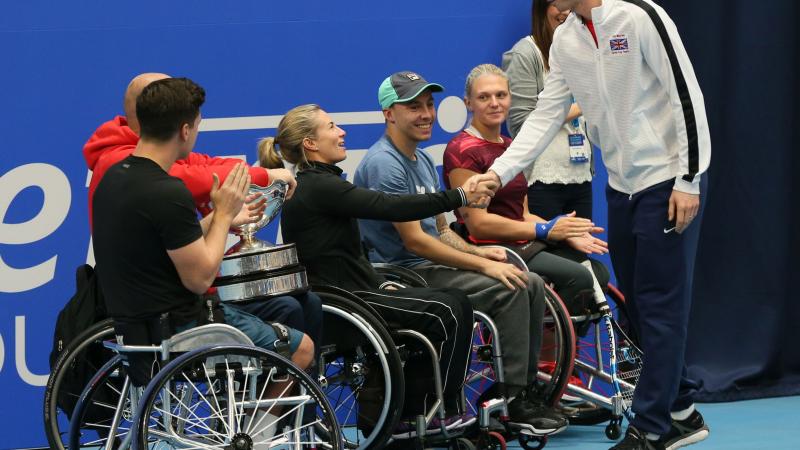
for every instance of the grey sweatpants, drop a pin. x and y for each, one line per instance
(518, 315)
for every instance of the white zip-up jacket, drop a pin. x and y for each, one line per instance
(639, 96)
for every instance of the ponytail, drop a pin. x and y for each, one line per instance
(268, 156)
(295, 126)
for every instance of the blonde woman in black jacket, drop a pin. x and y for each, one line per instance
(321, 219)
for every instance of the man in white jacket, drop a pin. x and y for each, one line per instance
(626, 66)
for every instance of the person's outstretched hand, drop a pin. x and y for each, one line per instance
(571, 226)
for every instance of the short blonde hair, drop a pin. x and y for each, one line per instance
(478, 71)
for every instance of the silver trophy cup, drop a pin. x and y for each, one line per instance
(275, 194)
(254, 269)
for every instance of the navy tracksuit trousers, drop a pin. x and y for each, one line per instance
(654, 271)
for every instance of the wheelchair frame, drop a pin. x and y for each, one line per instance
(195, 344)
(592, 371)
(485, 409)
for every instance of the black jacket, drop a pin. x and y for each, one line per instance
(321, 220)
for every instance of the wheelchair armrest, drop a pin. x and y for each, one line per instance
(120, 348)
(512, 257)
(196, 337)
(207, 335)
(389, 285)
(325, 290)
(401, 275)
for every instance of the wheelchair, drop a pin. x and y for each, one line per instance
(581, 387)
(362, 373)
(361, 370)
(483, 395)
(589, 395)
(216, 390)
(484, 387)
(103, 415)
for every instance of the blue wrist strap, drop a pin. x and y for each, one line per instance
(543, 229)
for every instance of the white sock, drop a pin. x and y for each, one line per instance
(683, 415)
(599, 295)
(265, 430)
(652, 436)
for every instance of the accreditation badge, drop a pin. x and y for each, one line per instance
(578, 153)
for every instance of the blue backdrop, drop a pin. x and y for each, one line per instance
(65, 66)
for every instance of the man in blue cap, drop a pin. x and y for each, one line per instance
(514, 299)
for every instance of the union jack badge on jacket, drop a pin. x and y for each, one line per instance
(619, 44)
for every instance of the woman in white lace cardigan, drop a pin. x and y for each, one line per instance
(560, 181)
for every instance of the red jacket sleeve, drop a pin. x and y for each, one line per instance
(113, 141)
(197, 173)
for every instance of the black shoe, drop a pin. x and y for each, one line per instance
(636, 440)
(534, 420)
(535, 395)
(685, 432)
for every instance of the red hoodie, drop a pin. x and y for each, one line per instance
(113, 141)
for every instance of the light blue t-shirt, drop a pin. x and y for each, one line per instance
(386, 169)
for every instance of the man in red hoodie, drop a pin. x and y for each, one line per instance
(114, 140)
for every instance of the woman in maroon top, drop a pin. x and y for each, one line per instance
(554, 248)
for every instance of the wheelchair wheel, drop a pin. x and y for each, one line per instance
(79, 361)
(232, 397)
(87, 428)
(362, 373)
(557, 355)
(555, 358)
(591, 370)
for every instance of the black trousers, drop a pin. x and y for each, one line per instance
(550, 200)
(444, 316)
(655, 269)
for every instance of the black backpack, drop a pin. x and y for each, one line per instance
(83, 310)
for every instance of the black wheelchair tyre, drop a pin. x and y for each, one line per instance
(60, 387)
(98, 434)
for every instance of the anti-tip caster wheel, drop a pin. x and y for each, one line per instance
(614, 429)
(529, 442)
(462, 444)
(494, 441)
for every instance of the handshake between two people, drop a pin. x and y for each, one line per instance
(488, 180)
(479, 193)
